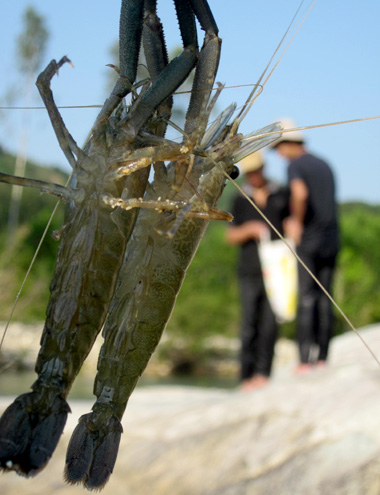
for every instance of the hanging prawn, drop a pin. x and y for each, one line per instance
(126, 243)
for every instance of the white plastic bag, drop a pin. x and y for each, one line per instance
(279, 268)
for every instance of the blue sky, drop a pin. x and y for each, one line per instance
(330, 73)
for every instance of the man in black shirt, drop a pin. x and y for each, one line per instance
(259, 326)
(313, 225)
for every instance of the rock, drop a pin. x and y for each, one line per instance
(315, 434)
(21, 343)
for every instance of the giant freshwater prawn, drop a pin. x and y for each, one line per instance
(127, 239)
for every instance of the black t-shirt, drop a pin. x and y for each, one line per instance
(320, 234)
(276, 210)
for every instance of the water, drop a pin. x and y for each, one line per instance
(15, 383)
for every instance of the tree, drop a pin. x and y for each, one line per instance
(31, 45)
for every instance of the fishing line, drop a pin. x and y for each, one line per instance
(252, 98)
(70, 107)
(30, 267)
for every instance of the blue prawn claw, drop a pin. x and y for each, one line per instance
(92, 452)
(28, 438)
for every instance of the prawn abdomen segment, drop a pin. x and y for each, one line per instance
(87, 265)
(140, 309)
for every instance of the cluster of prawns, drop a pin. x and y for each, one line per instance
(127, 240)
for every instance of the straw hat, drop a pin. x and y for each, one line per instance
(293, 136)
(251, 163)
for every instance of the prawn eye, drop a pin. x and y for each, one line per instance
(235, 173)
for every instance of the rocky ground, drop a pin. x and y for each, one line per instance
(316, 434)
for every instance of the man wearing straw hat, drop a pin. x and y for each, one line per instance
(259, 326)
(313, 225)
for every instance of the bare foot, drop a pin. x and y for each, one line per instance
(321, 365)
(245, 385)
(257, 381)
(303, 369)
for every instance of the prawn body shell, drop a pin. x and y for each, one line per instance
(88, 260)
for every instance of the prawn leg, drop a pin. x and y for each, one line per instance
(173, 75)
(131, 19)
(65, 140)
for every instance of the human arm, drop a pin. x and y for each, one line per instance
(299, 194)
(239, 234)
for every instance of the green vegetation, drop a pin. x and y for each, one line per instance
(208, 304)
(17, 253)
(357, 286)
